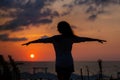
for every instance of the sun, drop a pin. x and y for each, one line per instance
(32, 55)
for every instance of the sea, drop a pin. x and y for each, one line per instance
(109, 68)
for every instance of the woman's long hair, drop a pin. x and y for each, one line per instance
(65, 29)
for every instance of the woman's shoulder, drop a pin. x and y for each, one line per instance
(57, 36)
(62, 36)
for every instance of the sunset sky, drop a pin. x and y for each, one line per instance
(25, 20)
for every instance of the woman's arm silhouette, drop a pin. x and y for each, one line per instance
(86, 39)
(45, 40)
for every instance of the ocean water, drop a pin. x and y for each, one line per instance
(109, 67)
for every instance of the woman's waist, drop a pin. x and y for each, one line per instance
(64, 61)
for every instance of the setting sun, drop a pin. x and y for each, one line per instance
(32, 55)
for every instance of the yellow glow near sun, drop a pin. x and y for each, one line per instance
(32, 55)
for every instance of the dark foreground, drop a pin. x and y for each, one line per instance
(10, 71)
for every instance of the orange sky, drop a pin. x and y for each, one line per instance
(105, 26)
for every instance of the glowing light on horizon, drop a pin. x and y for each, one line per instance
(32, 56)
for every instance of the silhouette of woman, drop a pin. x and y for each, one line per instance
(63, 45)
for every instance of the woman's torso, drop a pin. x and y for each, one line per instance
(63, 47)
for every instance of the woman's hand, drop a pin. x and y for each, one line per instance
(101, 41)
(26, 44)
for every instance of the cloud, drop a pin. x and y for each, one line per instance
(92, 17)
(34, 12)
(25, 13)
(5, 37)
(95, 7)
(96, 2)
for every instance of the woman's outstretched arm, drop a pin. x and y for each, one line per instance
(46, 40)
(34, 41)
(86, 39)
(98, 40)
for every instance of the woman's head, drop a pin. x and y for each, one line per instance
(65, 29)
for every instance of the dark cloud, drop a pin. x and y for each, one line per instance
(92, 17)
(68, 8)
(95, 7)
(6, 3)
(34, 12)
(5, 37)
(80, 2)
(97, 2)
(25, 13)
